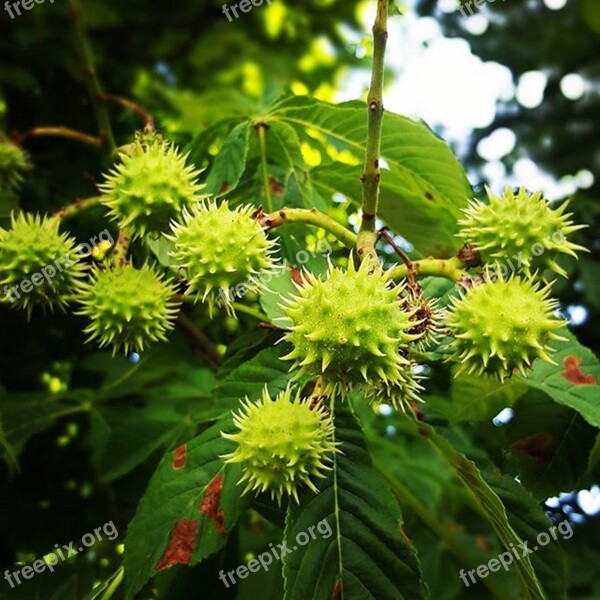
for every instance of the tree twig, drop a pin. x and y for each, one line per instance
(132, 106)
(91, 77)
(59, 131)
(201, 341)
(384, 233)
(79, 205)
(121, 247)
(250, 311)
(310, 217)
(451, 268)
(261, 131)
(371, 175)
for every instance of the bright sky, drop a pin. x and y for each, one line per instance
(442, 82)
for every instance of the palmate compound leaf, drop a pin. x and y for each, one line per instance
(367, 555)
(423, 186)
(192, 502)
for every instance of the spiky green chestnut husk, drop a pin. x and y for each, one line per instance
(33, 249)
(150, 185)
(502, 325)
(13, 163)
(221, 249)
(349, 328)
(128, 307)
(521, 228)
(281, 444)
(401, 394)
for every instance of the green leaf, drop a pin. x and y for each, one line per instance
(67, 591)
(229, 164)
(549, 444)
(573, 381)
(6, 450)
(481, 398)
(590, 13)
(22, 79)
(366, 554)
(423, 187)
(162, 249)
(249, 378)
(589, 273)
(281, 285)
(528, 520)
(191, 504)
(489, 505)
(200, 111)
(107, 588)
(198, 149)
(283, 149)
(27, 414)
(166, 370)
(594, 457)
(425, 485)
(123, 437)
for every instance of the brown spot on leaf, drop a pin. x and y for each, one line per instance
(210, 503)
(429, 196)
(573, 373)
(181, 545)
(482, 543)
(535, 447)
(337, 590)
(276, 188)
(224, 187)
(179, 457)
